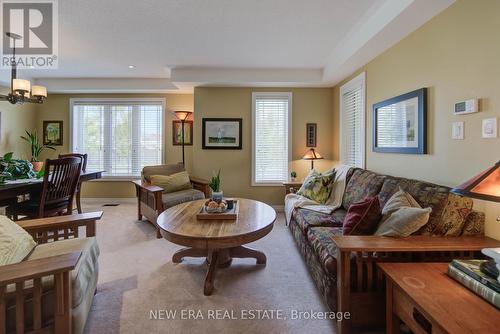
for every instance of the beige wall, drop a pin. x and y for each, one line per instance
(57, 108)
(457, 56)
(14, 120)
(308, 105)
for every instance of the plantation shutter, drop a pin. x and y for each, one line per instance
(271, 137)
(352, 123)
(120, 137)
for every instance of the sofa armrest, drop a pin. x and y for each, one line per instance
(200, 184)
(147, 186)
(39, 228)
(31, 269)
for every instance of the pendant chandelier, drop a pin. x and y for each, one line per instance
(21, 90)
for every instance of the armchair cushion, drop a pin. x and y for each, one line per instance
(178, 197)
(172, 183)
(147, 171)
(15, 242)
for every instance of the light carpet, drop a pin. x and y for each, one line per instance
(137, 279)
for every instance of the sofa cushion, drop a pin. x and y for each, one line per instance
(363, 217)
(15, 242)
(318, 186)
(307, 218)
(85, 270)
(455, 213)
(426, 194)
(172, 183)
(320, 239)
(178, 197)
(362, 184)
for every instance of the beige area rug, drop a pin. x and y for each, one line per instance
(137, 278)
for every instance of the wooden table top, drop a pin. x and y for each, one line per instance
(446, 301)
(180, 225)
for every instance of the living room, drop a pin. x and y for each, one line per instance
(250, 167)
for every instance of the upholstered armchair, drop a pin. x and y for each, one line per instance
(151, 199)
(52, 289)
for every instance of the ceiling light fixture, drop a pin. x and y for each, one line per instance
(131, 66)
(20, 89)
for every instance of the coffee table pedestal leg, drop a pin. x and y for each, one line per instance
(245, 252)
(188, 252)
(213, 257)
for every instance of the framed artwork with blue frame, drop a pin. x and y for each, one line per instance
(400, 124)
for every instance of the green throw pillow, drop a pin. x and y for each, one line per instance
(318, 187)
(172, 183)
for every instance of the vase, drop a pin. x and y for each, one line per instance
(217, 195)
(37, 166)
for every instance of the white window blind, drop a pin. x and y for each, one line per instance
(352, 119)
(119, 136)
(271, 137)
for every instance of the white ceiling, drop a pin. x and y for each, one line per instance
(184, 43)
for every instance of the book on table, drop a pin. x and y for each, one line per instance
(473, 269)
(474, 285)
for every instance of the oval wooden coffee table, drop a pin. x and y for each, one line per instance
(218, 240)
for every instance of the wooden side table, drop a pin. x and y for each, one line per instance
(427, 300)
(292, 187)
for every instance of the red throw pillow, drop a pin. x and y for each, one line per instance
(363, 217)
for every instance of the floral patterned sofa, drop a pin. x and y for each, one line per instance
(451, 216)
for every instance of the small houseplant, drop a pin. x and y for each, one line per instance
(214, 185)
(36, 149)
(14, 169)
(293, 175)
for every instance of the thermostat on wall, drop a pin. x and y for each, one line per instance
(466, 107)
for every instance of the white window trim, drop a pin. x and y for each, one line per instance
(357, 81)
(74, 100)
(281, 95)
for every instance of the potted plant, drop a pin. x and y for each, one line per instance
(293, 175)
(14, 169)
(214, 185)
(36, 149)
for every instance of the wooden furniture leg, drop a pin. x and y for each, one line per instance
(188, 252)
(392, 321)
(244, 252)
(78, 194)
(209, 280)
(343, 290)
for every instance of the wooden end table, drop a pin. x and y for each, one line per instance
(427, 300)
(292, 187)
(218, 240)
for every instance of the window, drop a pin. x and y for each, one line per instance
(271, 113)
(352, 122)
(120, 136)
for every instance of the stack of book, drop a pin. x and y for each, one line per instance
(480, 276)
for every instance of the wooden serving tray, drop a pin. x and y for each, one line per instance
(228, 215)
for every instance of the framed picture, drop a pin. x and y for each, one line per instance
(400, 124)
(177, 132)
(311, 134)
(221, 133)
(489, 128)
(53, 133)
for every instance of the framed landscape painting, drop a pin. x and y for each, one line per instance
(177, 132)
(400, 124)
(53, 133)
(221, 133)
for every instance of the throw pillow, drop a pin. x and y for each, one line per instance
(318, 187)
(454, 216)
(402, 216)
(15, 242)
(172, 183)
(363, 217)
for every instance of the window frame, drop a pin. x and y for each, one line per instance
(280, 95)
(77, 100)
(356, 82)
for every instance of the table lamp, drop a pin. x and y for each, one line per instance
(485, 186)
(312, 155)
(182, 116)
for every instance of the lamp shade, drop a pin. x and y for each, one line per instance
(311, 154)
(485, 186)
(39, 91)
(21, 86)
(182, 115)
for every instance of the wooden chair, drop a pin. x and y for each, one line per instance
(59, 185)
(36, 295)
(84, 158)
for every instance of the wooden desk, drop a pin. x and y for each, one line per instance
(12, 190)
(364, 300)
(427, 300)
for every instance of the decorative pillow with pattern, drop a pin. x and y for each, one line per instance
(454, 216)
(317, 186)
(15, 242)
(363, 217)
